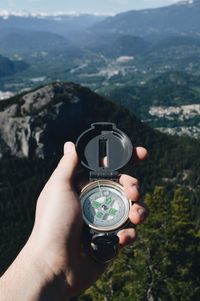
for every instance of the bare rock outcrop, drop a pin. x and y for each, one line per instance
(24, 119)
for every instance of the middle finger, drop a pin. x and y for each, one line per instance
(131, 187)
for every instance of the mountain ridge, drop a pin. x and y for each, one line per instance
(37, 123)
(34, 127)
(9, 67)
(175, 18)
(62, 24)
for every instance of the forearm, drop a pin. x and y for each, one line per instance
(30, 279)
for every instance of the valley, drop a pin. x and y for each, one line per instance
(136, 69)
(139, 70)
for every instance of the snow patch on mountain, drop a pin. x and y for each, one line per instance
(187, 2)
(5, 14)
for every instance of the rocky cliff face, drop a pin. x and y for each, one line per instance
(39, 122)
(24, 120)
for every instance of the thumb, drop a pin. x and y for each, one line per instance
(67, 165)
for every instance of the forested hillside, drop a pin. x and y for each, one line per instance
(147, 60)
(165, 260)
(8, 67)
(139, 69)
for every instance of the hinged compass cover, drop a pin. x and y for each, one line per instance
(102, 140)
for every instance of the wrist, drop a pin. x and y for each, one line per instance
(30, 278)
(49, 272)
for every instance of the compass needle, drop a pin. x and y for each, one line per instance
(100, 189)
(105, 207)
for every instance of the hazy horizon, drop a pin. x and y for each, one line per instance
(78, 6)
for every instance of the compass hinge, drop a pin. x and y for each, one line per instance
(102, 175)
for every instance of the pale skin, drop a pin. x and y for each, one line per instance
(51, 266)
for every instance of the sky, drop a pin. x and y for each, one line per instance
(81, 6)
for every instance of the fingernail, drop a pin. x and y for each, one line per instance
(142, 213)
(68, 147)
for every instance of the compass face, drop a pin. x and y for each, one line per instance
(104, 205)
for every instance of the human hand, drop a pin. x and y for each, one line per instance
(58, 224)
(54, 266)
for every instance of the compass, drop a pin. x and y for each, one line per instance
(103, 150)
(104, 206)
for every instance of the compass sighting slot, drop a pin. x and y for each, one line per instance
(103, 152)
(104, 148)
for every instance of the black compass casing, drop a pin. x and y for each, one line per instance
(104, 149)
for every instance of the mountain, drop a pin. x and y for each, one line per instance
(178, 41)
(61, 24)
(43, 119)
(180, 18)
(33, 128)
(9, 67)
(132, 57)
(111, 45)
(21, 41)
(175, 52)
(36, 124)
(169, 102)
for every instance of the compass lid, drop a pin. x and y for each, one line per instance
(104, 148)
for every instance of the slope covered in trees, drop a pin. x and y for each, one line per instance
(8, 67)
(163, 263)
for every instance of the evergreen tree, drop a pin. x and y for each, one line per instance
(139, 273)
(154, 235)
(184, 280)
(164, 262)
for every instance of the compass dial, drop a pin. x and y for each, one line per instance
(104, 205)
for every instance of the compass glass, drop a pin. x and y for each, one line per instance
(105, 207)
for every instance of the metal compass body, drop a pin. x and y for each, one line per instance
(105, 208)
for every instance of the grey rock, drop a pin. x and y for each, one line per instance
(25, 120)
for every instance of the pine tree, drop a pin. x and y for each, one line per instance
(184, 280)
(156, 242)
(163, 264)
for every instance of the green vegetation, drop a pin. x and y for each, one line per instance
(169, 89)
(162, 69)
(160, 72)
(8, 67)
(163, 264)
(122, 45)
